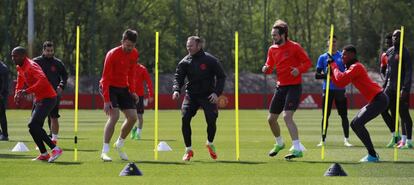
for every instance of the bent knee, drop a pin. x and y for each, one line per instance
(271, 118)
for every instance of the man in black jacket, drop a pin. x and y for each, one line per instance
(55, 72)
(390, 85)
(206, 80)
(4, 92)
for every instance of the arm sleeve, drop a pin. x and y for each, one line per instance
(4, 89)
(179, 77)
(20, 82)
(220, 78)
(320, 68)
(406, 86)
(106, 74)
(341, 79)
(304, 59)
(319, 74)
(131, 76)
(40, 83)
(148, 81)
(63, 75)
(270, 61)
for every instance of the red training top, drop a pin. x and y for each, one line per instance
(141, 75)
(357, 75)
(384, 60)
(284, 58)
(119, 70)
(30, 75)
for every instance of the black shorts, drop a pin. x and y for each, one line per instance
(121, 98)
(55, 111)
(285, 98)
(140, 105)
(191, 103)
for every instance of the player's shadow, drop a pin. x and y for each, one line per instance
(323, 162)
(71, 138)
(158, 140)
(161, 162)
(67, 163)
(398, 162)
(241, 162)
(15, 156)
(15, 140)
(232, 162)
(79, 150)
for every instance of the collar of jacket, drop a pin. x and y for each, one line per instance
(351, 62)
(24, 66)
(199, 53)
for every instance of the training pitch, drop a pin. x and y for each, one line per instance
(254, 167)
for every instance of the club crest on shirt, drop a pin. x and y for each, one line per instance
(53, 68)
(203, 66)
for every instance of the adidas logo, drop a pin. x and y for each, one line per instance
(308, 102)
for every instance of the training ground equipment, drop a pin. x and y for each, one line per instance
(163, 147)
(20, 147)
(325, 107)
(335, 170)
(130, 170)
(397, 104)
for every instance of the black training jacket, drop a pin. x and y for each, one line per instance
(54, 70)
(391, 75)
(204, 73)
(4, 80)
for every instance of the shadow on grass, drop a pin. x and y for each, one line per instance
(16, 156)
(79, 150)
(66, 163)
(398, 162)
(323, 162)
(15, 140)
(241, 162)
(158, 140)
(161, 162)
(71, 138)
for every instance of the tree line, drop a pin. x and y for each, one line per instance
(360, 22)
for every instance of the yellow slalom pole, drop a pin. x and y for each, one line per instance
(236, 97)
(76, 94)
(328, 79)
(397, 106)
(156, 98)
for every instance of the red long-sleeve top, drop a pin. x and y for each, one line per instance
(284, 58)
(357, 75)
(119, 70)
(31, 76)
(141, 76)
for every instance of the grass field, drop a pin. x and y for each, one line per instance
(254, 167)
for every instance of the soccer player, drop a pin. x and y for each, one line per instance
(32, 80)
(4, 93)
(335, 93)
(290, 61)
(141, 76)
(356, 74)
(56, 73)
(118, 86)
(391, 78)
(206, 80)
(383, 58)
(386, 116)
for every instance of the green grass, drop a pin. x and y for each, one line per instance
(254, 167)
